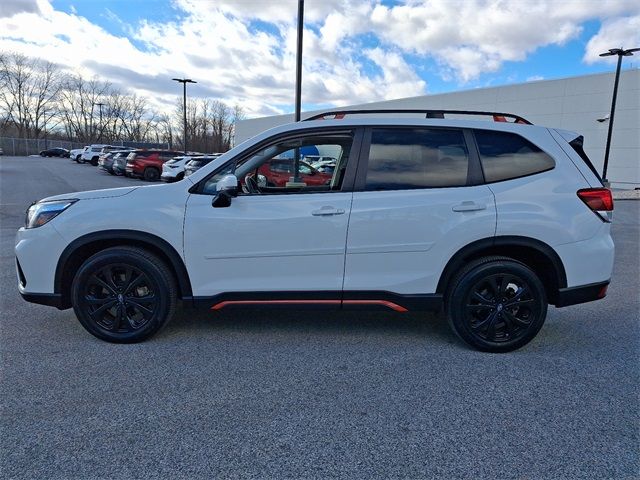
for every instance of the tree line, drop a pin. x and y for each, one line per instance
(39, 100)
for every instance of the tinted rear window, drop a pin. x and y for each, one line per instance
(407, 158)
(506, 155)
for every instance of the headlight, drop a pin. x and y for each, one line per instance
(41, 212)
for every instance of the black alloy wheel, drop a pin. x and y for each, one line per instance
(497, 304)
(123, 294)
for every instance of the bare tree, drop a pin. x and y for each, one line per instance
(78, 98)
(29, 93)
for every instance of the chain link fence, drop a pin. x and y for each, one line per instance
(33, 146)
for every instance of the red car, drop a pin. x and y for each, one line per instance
(148, 163)
(279, 171)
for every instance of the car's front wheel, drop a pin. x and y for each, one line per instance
(123, 294)
(496, 304)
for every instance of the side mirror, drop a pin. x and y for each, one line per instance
(226, 188)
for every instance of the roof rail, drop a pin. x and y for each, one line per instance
(497, 116)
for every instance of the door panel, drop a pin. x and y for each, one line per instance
(267, 243)
(401, 240)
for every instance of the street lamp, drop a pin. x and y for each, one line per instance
(100, 105)
(620, 52)
(184, 82)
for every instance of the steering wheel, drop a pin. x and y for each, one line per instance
(251, 185)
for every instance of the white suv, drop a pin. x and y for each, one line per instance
(92, 153)
(491, 221)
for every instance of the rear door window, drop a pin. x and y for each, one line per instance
(408, 158)
(506, 155)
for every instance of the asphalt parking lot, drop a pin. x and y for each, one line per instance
(312, 395)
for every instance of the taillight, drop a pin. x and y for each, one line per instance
(597, 199)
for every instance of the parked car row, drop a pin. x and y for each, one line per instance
(149, 164)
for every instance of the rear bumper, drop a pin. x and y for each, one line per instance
(581, 294)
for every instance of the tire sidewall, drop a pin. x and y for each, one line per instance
(457, 311)
(160, 285)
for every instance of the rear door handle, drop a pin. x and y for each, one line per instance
(327, 211)
(468, 206)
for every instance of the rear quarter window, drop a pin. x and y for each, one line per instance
(506, 155)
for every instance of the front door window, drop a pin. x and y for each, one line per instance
(283, 168)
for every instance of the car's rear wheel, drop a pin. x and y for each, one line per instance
(496, 304)
(94, 161)
(151, 174)
(123, 294)
(77, 158)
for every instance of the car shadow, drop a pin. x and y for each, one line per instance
(419, 325)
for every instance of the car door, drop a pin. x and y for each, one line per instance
(418, 199)
(288, 239)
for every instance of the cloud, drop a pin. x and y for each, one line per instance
(13, 7)
(614, 33)
(354, 51)
(472, 37)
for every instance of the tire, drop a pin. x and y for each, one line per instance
(123, 294)
(496, 304)
(94, 161)
(151, 174)
(78, 158)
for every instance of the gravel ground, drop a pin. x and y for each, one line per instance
(312, 395)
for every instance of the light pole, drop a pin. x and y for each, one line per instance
(184, 82)
(299, 59)
(296, 161)
(100, 105)
(44, 126)
(620, 52)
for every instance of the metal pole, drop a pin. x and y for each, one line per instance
(184, 82)
(184, 113)
(298, 100)
(611, 115)
(100, 107)
(299, 60)
(44, 126)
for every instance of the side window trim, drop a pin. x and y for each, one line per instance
(352, 161)
(363, 163)
(474, 173)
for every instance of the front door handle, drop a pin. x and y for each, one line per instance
(327, 211)
(468, 206)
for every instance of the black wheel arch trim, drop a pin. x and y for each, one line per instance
(177, 263)
(48, 299)
(458, 260)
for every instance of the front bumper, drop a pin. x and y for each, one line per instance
(37, 251)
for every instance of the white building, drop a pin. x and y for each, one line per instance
(574, 103)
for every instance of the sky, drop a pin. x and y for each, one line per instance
(355, 51)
